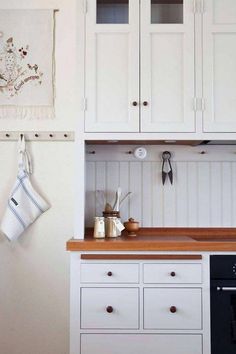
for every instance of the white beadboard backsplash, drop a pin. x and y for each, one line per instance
(203, 193)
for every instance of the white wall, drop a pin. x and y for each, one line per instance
(34, 271)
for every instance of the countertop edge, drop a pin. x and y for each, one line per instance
(161, 239)
(155, 246)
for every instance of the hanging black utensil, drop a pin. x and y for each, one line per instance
(166, 167)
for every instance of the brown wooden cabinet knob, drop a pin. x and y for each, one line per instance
(109, 309)
(173, 274)
(109, 274)
(173, 309)
(135, 103)
(145, 103)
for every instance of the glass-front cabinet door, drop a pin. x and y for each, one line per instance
(167, 66)
(112, 66)
(219, 66)
(139, 61)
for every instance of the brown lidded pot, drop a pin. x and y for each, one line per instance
(132, 227)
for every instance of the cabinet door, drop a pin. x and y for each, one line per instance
(107, 308)
(140, 344)
(112, 66)
(219, 65)
(172, 308)
(167, 66)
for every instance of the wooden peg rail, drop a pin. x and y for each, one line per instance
(38, 135)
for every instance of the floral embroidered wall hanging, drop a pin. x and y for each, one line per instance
(26, 64)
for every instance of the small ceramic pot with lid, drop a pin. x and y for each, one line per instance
(132, 227)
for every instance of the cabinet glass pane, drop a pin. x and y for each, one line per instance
(112, 11)
(167, 11)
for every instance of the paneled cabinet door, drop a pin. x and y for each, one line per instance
(219, 65)
(167, 66)
(112, 66)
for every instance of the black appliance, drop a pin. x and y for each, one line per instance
(223, 304)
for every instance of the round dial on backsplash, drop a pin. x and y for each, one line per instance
(140, 153)
(234, 269)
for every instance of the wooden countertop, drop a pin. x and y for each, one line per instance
(161, 239)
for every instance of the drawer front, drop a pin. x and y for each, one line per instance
(172, 308)
(140, 344)
(110, 308)
(109, 273)
(172, 273)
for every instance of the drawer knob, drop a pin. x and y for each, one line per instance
(173, 274)
(135, 103)
(109, 274)
(173, 309)
(145, 103)
(109, 309)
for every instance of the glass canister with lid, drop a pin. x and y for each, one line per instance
(113, 225)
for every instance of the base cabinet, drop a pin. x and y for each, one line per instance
(140, 344)
(138, 305)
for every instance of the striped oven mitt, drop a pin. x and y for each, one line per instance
(25, 205)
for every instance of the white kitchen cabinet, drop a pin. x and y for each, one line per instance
(141, 311)
(219, 65)
(140, 344)
(139, 62)
(160, 66)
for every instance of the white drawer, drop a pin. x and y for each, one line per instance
(141, 344)
(172, 273)
(110, 308)
(172, 308)
(109, 273)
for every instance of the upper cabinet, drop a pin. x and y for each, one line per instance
(219, 65)
(139, 61)
(160, 66)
